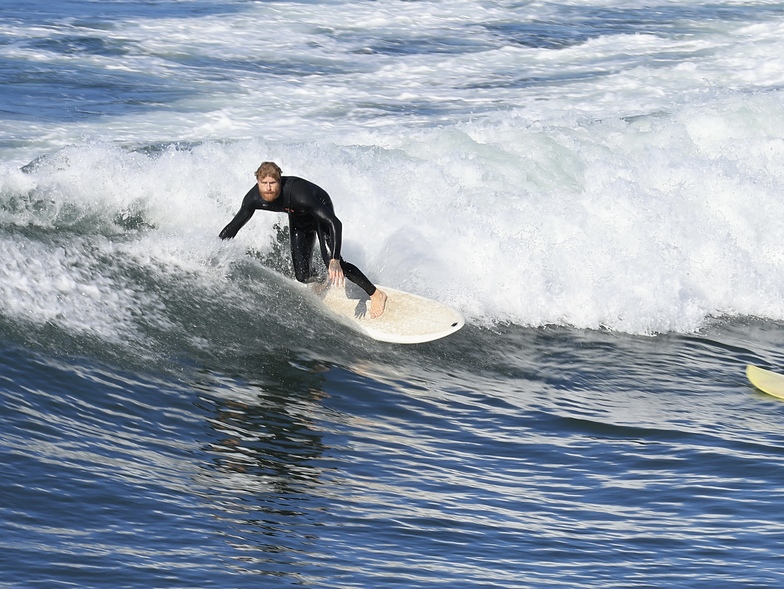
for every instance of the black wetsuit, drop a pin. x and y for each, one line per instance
(311, 215)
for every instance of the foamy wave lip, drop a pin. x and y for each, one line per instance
(649, 225)
(68, 286)
(544, 226)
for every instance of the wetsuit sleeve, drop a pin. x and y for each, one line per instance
(243, 216)
(327, 218)
(312, 200)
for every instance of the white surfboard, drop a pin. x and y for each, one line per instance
(407, 318)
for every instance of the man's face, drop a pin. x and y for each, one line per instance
(269, 188)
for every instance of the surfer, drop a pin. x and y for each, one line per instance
(311, 215)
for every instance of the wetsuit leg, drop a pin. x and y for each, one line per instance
(302, 241)
(351, 272)
(355, 275)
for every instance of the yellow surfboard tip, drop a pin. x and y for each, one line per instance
(766, 381)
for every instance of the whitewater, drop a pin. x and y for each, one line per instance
(596, 185)
(524, 171)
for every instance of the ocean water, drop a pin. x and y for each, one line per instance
(596, 184)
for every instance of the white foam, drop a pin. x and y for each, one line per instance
(68, 286)
(636, 185)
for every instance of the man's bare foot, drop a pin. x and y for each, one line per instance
(378, 301)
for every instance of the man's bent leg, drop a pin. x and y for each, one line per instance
(378, 298)
(355, 275)
(302, 242)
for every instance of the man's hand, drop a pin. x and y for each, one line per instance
(335, 273)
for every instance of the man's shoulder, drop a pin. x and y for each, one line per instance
(299, 189)
(254, 201)
(291, 180)
(253, 191)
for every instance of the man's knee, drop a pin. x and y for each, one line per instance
(301, 274)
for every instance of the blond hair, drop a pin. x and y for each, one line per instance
(268, 169)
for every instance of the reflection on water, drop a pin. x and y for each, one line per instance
(265, 467)
(335, 474)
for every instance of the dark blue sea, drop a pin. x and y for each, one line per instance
(597, 186)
